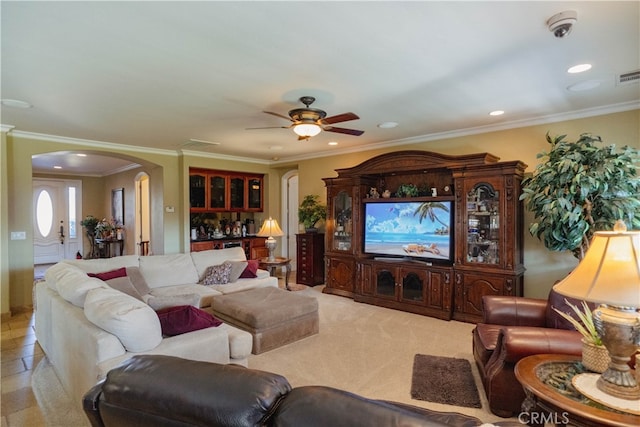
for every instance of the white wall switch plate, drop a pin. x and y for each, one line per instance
(18, 235)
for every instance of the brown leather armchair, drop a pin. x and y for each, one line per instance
(514, 328)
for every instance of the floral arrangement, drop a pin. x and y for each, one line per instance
(585, 325)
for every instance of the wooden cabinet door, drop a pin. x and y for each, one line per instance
(439, 292)
(340, 276)
(414, 283)
(236, 193)
(469, 290)
(385, 281)
(254, 194)
(198, 191)
(218, 185)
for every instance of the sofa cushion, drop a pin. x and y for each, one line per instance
(161, 302)
(168, 270)
(555, 300)
(123, 284)
(251, 270)
(237, 268)
(72, 283)
(206, 293)
(137, 280)
(185, 318)
(217, 274)
(134, 323)
(204, 259)
(103, 264)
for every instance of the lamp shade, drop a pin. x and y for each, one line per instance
(610, 271)
(307, 129)
(270, 228)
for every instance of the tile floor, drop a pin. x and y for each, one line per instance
(20, 353)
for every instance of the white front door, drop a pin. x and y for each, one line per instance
(57, 233)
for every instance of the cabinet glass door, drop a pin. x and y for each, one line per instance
(412, 287)
(197, 190)
(254, 186)
(483, 225)
(342, 212)
(217, 192)
(237, 193)
(385, 283)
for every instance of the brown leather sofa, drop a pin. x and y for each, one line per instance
(512, 329)
(155, 391)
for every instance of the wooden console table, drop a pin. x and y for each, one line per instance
(546, 379)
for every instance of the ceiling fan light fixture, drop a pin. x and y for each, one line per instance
(307, 129)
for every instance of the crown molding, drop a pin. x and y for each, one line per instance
(552, 118)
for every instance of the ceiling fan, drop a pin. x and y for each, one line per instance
(308, 122)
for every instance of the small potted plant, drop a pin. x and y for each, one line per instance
(311, 211)
(595, 355)
(90, 222)
(407, 190)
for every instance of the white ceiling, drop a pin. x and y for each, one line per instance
(157, 74)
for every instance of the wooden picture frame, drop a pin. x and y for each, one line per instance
(117, 205)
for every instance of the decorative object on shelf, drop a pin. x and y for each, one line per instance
(269, 229)
(609, 274)
(311, 211)
(595, 356)
(386, 194)
(407, 190)
(373, 193)
(581, 188)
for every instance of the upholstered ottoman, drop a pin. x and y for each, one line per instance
(273, 316)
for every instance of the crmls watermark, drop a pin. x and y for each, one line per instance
(541, 418)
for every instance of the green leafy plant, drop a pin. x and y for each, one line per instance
(581, 188)
(407, 190)
(585, 324)
(89, 222)
(311, 211)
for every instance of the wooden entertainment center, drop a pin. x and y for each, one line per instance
(486, 233)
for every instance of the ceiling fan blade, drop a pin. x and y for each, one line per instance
(270, 127)
(278, 115)
(345, 117)
(345, 131)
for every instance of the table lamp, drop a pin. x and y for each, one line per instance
(609, 274)
(269, 229)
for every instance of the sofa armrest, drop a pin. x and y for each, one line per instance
(90, 404)
(515, 343)
(514, 311)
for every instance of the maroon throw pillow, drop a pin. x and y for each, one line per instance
(251, 270)
(185, 318)
(107, 275)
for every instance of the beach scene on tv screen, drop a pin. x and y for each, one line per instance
(412, 229)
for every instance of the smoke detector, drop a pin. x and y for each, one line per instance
(561, 23)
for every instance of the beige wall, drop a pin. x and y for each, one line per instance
(169, 183)
(543, 267)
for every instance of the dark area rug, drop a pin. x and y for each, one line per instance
(444, 380)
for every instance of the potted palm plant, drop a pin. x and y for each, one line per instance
(581, 188)
(311, 211)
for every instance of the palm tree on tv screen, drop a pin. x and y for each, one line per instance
(428, 210)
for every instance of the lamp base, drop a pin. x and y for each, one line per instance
(618, 328)
(271, 244)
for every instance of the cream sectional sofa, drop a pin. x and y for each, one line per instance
(86, 328)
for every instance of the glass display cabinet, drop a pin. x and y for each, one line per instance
(342, 213)
(483, 224)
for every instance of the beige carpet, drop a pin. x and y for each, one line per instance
(361, 348)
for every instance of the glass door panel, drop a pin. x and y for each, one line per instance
(342, 213)
(197, 188)
(483, 222)
(217, 192)
(412, 287)
(254, 186)
(385, 283)
(237, 193)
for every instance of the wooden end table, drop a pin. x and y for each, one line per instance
(278, 262)
(546, 379)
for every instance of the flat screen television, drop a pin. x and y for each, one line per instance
(409, 229)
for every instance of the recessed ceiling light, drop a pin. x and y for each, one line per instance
(57, 167)
(333, 143)
(81, 155)
(585, 85)
(15, 103)
(496, 113)
(579, 68)
(387, 125)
